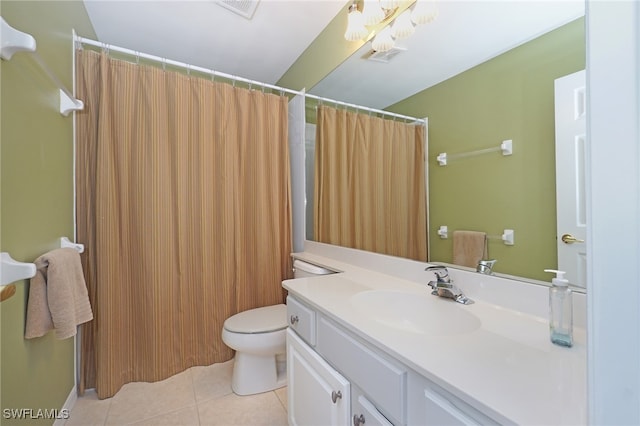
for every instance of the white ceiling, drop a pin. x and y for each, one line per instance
(202, 33)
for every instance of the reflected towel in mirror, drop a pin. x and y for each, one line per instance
(469, 247)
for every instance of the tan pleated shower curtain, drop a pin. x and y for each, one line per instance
(370, 183)
(183, 203)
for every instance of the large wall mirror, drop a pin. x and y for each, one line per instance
(481, 72)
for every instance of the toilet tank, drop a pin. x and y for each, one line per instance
(303, 269)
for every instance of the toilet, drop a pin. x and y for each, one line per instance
(259, 338)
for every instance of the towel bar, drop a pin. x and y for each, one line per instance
(66, 243)
(12, 270)
(507, 235)
(506, 148)
(16, 41)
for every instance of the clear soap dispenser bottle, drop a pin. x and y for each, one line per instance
(560, 310)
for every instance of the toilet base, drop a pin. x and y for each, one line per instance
(257, 373)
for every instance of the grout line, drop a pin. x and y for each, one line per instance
(281, 402)
(195, 397)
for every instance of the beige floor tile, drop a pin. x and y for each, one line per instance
(183, 417)
(140, 401)
(282, 396)
(212, 381)
(260, 409)
(89, 410)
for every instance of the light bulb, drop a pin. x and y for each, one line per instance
(402, 26)
(355, 25)
(389, 4)
(383, 41)
(372, 12)
(424, 11)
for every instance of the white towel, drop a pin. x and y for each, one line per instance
(58, 297)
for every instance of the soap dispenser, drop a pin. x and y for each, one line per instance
(560, 310)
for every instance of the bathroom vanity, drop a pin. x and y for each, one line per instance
(370, 347)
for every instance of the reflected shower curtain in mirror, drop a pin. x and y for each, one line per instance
(370, 190)
(183, 204)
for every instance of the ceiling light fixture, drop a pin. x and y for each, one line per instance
(376, 12)
(355, 24)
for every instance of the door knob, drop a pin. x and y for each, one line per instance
(358, 420)
(335, 396)
(570, 239)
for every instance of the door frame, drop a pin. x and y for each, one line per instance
(613, 203)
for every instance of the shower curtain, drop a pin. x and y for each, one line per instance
(183, 204)
(370, 190)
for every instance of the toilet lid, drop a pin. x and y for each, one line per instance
(258, 320)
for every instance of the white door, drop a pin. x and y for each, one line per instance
(570, 115)
(317, 394)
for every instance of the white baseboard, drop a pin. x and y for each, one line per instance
(67, 407)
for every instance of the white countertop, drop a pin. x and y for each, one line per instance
(506, 367)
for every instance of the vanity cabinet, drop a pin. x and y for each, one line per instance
(325, 360)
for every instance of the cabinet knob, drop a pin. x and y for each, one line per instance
(358, 419)
(335, 396)
(294, 319)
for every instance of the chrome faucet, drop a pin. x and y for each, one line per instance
(486, 266)
(443, 286)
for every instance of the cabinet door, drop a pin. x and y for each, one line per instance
(318, 395)
(441, 412)
(431, 405)
(366, 414)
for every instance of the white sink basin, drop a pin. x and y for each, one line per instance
(417, 313)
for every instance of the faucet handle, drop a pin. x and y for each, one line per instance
(441, 273)
(486, 266)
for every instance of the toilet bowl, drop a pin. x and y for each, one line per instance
(258, 337)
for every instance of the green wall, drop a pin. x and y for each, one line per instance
(36, 154)
(508, 97)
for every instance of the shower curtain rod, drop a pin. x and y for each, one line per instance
(183, 65)
(363, 108)
(214, 73)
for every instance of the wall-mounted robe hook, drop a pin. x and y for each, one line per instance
(66, 243)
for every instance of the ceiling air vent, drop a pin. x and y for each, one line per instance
(384, 57)
(244, 8)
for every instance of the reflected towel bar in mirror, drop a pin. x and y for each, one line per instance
(507, 236)
(506, 147)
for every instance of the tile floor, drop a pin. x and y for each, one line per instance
(197, 396)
